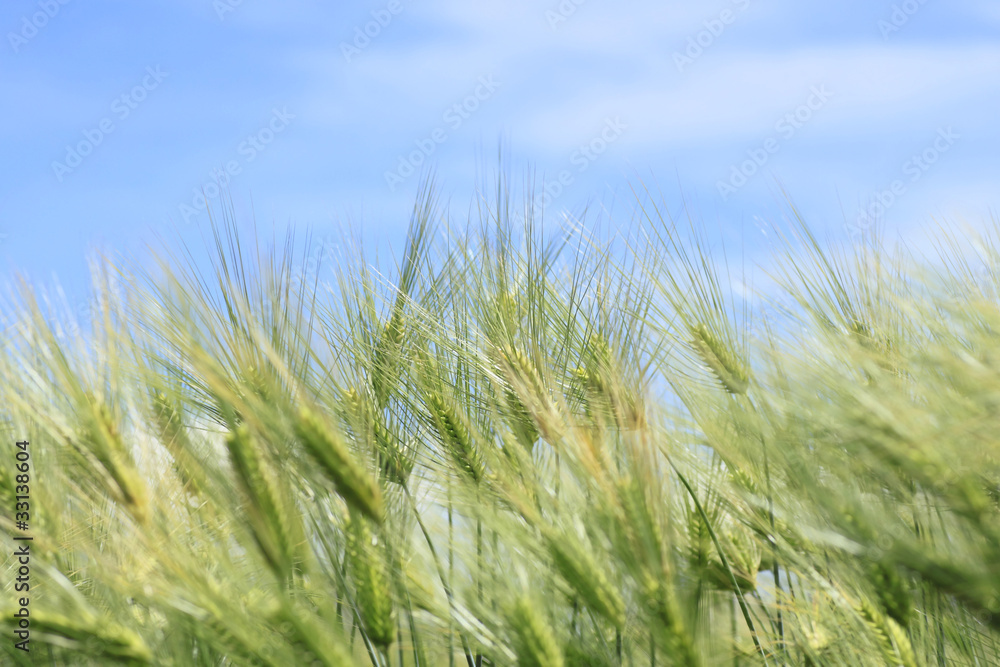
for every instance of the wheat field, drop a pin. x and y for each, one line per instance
(515, 446)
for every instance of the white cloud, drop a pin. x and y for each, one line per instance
(873, 88)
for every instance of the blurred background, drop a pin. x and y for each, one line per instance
(124, 123)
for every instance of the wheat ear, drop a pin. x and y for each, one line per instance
(454, 434)
(356, 487)
(267, 517)
(106, 445)
(367, 564)
(534, 641)
(723, 362)
(577, 566)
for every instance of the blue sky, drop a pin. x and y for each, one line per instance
(117, 115)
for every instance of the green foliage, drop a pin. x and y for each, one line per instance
(513, 449)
